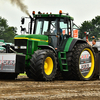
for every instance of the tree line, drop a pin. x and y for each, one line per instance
(92, 26)
(7, 32)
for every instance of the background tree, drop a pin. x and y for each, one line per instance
(93, 27)
(6, 32)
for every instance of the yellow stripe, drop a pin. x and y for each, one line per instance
(20, 38)
(30, 39)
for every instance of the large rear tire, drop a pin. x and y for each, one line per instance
(43, 65)
(82, 63)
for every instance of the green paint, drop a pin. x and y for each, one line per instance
(54, 15)
(33, 41)
(68, 44)
(62, 61)
(33, 46)
(27, 57)
(33, 36)
(62, 56)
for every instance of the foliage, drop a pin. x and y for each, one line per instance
(93, 27)
(6, 32)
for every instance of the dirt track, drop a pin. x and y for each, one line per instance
(25, 89)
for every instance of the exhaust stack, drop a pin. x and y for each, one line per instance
(31, 20)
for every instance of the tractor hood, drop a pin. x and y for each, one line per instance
(33, 37)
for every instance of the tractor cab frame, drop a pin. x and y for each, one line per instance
(56, 27)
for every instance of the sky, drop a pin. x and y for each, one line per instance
(80, 10)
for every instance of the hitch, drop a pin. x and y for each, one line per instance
(9, 49)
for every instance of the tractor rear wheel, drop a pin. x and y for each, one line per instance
(43, 65)
(82, 63)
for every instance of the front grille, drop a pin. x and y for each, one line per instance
(19, 43)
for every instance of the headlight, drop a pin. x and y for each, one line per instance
(16, 47)
(20, 47)
(23, 47)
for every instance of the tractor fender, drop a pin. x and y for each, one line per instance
(47, 47)
(74, 41)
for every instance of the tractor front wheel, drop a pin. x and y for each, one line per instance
(43, 65)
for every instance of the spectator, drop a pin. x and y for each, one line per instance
(93, 43)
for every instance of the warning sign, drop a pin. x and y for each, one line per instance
(75, 34)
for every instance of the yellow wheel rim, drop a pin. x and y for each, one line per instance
(92, 63)
(48, 65)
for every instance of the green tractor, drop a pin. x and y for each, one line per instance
(49, 48)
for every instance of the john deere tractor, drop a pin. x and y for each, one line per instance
(49, 47)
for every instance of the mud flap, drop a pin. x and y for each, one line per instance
(12, 63)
